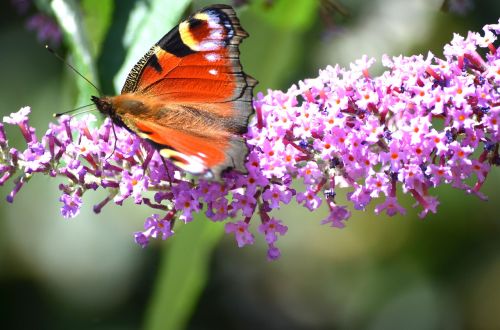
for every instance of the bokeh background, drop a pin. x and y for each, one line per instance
(442, 272)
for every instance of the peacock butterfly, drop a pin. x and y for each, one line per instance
(188, 95)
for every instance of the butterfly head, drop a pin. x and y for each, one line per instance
(116, 106)
(104, 105)
(109, 107)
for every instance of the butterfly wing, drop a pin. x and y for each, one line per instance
(198, 96)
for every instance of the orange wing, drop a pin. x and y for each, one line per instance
(198, 96)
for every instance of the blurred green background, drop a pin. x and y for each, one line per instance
(442, 272)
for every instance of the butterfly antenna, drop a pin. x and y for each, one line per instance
(57, 115)
(59, 57)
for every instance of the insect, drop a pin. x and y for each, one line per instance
(188, 95)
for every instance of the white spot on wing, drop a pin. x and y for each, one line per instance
(213, 19)
(191, 164)
(213, 72)
(212, 57)
(209, 45)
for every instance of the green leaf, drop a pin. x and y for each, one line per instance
(183, 274)
(97, 19)
(284, 14)
(70, 20)
(148, 22)
(272, 53)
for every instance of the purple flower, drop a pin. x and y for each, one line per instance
(311, 173)
(271, 228)
(35, 158)
(72, 204)
(154, 228)
(360, 197)
(133, 183)
(273, 253)
(245, 203)
(128, 145)
(337, 216)
(390, 206)
(377, 184)
(141, 239)
(309, 199)
(396, 155)
(241, 233)
(47, 30)
(211, 191)
(19, 117)
(186, 205)
(218, 209)
(277, 194)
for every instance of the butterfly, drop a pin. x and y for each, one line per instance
(188, 95)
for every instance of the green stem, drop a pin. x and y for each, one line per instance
(182, 276)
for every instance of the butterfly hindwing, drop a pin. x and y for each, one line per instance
(198, 97)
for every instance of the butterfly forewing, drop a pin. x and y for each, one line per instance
(195, 98)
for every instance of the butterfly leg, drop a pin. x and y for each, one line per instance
(168, 172)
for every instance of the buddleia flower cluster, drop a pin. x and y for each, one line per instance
(424, 122)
